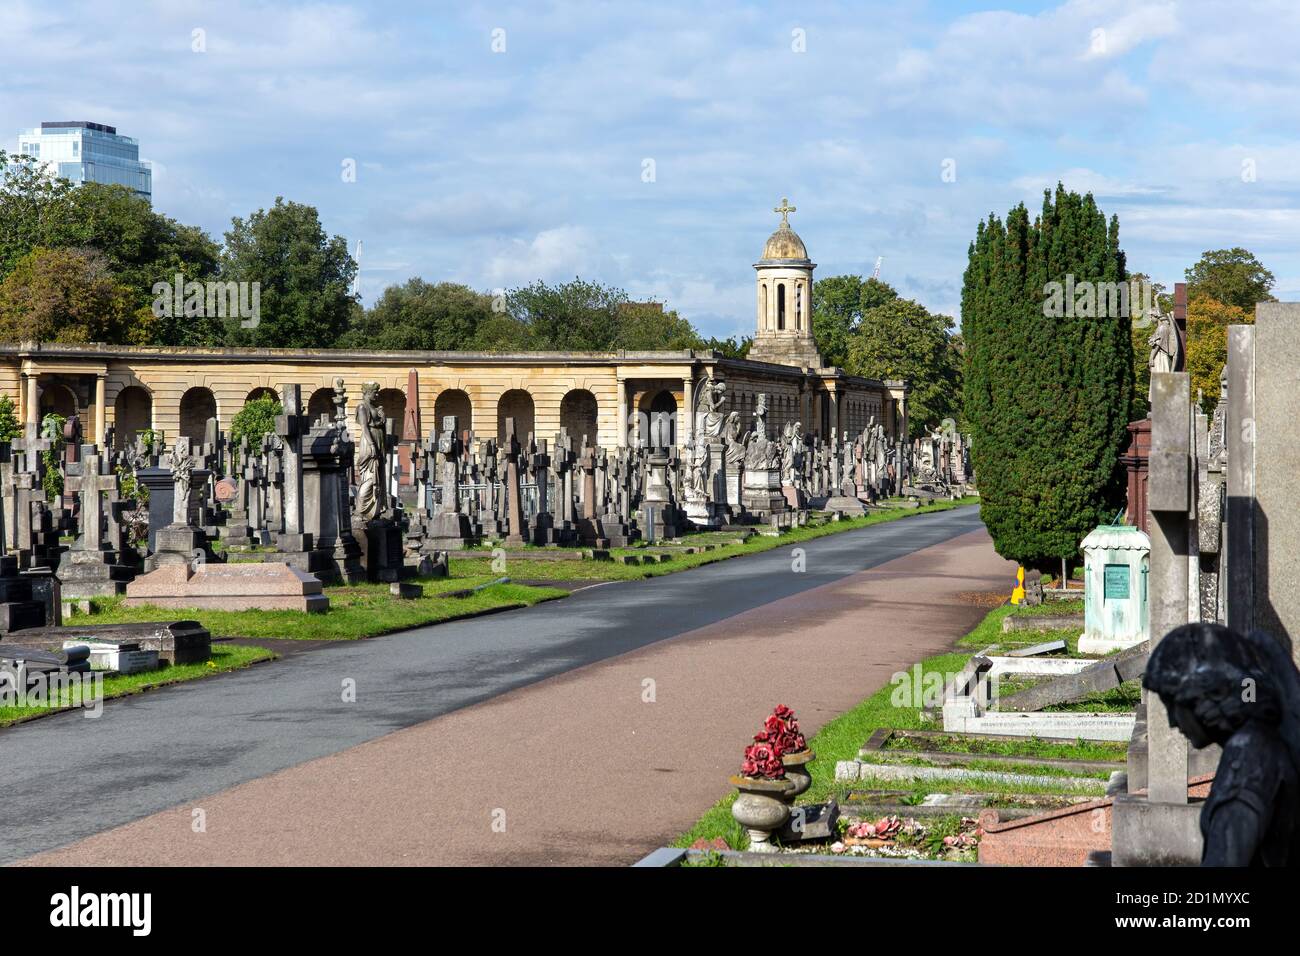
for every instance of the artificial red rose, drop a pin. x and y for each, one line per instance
(783, 728)
(762, 760)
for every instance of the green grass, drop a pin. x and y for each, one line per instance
(225, 657)
(356, 611)
(844, 736)
(1026, 747)
(469, 563)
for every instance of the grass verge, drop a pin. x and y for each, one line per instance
(471, 563)
(224, 658)
(356, 611)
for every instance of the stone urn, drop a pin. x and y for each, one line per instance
(762, 806)
(796, 771)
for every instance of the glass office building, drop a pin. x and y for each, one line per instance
(89, 153)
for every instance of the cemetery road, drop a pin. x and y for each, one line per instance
(588, 729)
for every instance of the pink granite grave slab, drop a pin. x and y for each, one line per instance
(266, 586)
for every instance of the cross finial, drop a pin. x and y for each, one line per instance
(784, 209)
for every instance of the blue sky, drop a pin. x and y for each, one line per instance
(497, 168)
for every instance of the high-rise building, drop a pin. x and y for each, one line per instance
(89, 153)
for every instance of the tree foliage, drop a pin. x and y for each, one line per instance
(1207, 344)
(305, 277)
(1231, 276)
(255, 419)
(9, 427)
(1047, 399)
(421, 315)
(901, 339)
(67, 295)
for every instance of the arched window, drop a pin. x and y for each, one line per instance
(764, 320)
(780, 305)
(798, 305)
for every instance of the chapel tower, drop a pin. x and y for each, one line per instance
(784, 331)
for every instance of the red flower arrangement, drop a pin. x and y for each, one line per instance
(763, 759)
(783, 727)
(780, 735)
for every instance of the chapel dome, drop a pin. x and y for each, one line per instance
(784, 244)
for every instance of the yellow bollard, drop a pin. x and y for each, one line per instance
(1018, 594)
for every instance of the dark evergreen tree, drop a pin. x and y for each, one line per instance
(1046, 395)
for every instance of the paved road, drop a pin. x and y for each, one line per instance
(67, 777)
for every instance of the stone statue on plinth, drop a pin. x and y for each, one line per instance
(1242, 693)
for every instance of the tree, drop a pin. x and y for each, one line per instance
(421, 315)
(648, 326)
(32, 204)
(1047, 397)
(730, 347)
(68, 295)
(9, 427)
(839, 302)
(254, 420)
(304, 277)
(142, 248)
(1207, 344)
(901, 339)
(1231, 276)
(571, 316)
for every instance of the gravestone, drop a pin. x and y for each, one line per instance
(1116, 565)
(93, 567)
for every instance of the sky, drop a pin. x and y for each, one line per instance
(644, 145)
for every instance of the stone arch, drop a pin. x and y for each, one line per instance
(320, 403)
(132, 414)
(454, 401)
(393, 402)
(261, 391)
(580, 414)
(516, 403)
(663, 420)
(59, 399)
(197, 406)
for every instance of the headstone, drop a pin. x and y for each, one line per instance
(1116, 565)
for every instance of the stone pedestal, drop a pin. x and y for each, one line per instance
(449, 531)
(382, 554)
(86, 574)
(18, 609)
(175, 544)
(763, 493)
(703, 513)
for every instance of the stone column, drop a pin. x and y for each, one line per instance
(688, 395)
(100, 409)
(621, 386)
(33, 399)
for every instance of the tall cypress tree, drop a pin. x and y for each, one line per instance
(1046, 396)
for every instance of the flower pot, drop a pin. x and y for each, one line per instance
(796, 771)
(761, 808)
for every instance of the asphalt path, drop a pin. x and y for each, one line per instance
(67, 777)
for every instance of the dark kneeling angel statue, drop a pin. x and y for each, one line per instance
(1242, 693)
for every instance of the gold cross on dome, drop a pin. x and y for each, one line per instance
(784, 209)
